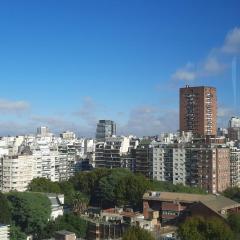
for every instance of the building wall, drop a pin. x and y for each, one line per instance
(16, 172)
(4, 232)
(235, 167)
(223, 169)
(198, 110)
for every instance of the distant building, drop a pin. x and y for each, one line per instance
(234, 122)
(144, 158)
(65, 235)
(4, 232)
(105, 128)
(68, 135)
(115, 152)
(43, 131)
(198, 110)
(234, 129)
(203, 164)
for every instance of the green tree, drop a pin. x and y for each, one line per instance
(30, 211)
(136, 185)
(80, 203)
(44, 185)
(87, 182)
(233, 193)
(67, 188)
(5, 215)
(218, 230)
(122, 187)
(136, 233)
(198, 228)
(112, 188)
(69, 222)
(234, 222)
(192, 229)
(17, 234)
(169, 187)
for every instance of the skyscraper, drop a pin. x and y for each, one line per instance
(105, 128)
(198, 110)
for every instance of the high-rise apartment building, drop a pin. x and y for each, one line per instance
(105, 128)
(42, 131)
(198, 110)
(234, 129)
(144, 158)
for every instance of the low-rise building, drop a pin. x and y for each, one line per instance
(4, 232)
(173, 207)
(57, 202)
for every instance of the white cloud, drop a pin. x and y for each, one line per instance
(149, 120)
(13, 107)
(13, 128)
(232, 42)
(87, 111)
(212, 65)
(216, 61)
(184, 75)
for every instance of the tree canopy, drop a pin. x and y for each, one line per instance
(17, 234)
(169, 187)
(5, 214)
(197, 228)
(233, 193)
(234, 222)
(44, 185)
(136, 233)
(30, 211)
(69, 222)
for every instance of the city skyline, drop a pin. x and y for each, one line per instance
(68, 65)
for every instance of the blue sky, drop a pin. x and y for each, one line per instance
(67, 64)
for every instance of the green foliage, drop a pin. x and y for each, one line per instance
(87, 182)
(30, 211)
(80, 203)
(17, 234)
(112, 189)
(233, 193)
(5, 215)
(136, 233)
(68, 190)
(234, 222)
(121, 187)
(197, 228)
(69, 222)
(169, 187)
(44, 185)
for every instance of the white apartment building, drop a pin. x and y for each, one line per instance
(234, 122)
(235, 167)
(109, 152)
(16, 172)
(46, 160)
(169, 163)
(68, 135)
(179, 165)
(158, 162)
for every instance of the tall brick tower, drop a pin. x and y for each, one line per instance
(198, 110)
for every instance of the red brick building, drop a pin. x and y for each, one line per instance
(173, 208)
(198, 110)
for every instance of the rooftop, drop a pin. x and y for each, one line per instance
(217, 203)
